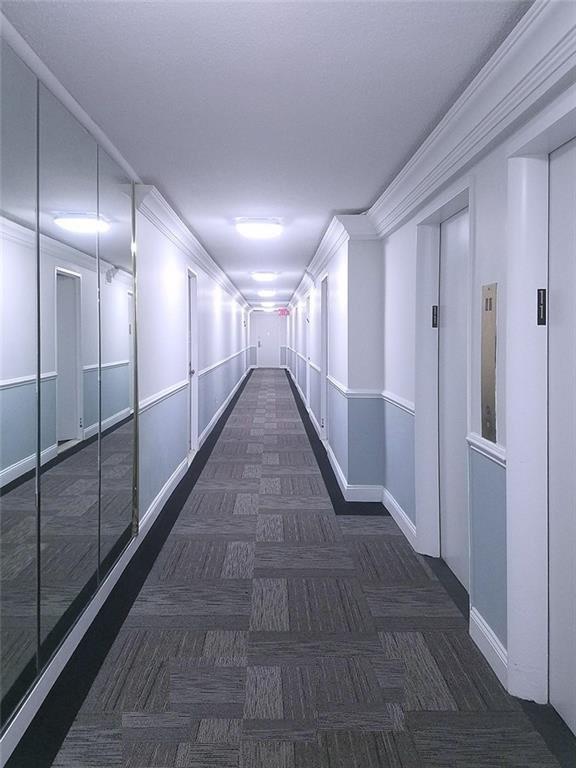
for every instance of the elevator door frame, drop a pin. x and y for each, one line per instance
(426, 536)
(527, 361)
(446, 517)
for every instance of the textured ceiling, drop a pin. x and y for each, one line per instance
(294, 110)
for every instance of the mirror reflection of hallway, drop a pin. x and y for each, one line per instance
(68, 379)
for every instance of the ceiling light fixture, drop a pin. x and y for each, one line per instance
(82, 223)
(268, 303)
(266, 294)
(259, 229)
(264, 277)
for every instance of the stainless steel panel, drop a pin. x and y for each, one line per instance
(488, 362)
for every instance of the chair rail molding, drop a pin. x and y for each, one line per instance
(151, 203)
(538, 55)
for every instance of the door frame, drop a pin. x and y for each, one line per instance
(307, 323)
(324, 287)
(527, 361)
(426, 421)
(81, 428)
(192, 359)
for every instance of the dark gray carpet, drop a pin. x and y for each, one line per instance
(273, 634)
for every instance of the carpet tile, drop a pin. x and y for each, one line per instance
(273, 633)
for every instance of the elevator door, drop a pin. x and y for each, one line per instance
(562, 431)
(452, 395)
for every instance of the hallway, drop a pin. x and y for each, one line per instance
(273, 633)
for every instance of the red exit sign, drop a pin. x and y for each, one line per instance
(283, 311)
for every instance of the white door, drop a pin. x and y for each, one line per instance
(265, 330)
(68, 357)
(192, 362)
(452, 395)
(324, 355)
(562, 431)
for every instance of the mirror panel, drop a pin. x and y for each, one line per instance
(69, 406)
(116, 359)
(18, 380)
(67, 373)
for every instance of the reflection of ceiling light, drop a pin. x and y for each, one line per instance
(268, 303)
(266, 294)
(82, 223)
(264, 277)
(259, 229)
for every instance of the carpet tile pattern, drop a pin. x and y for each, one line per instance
(272, 633)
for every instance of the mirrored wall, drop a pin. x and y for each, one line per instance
(67, 373)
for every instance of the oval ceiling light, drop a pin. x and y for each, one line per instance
(267, 294)
(259, 229)
(82, 223)
(264, 277)
(268, 303)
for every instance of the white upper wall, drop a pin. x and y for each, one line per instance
(399, 304)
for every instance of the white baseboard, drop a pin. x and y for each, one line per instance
(163, 494)
(107, 423)
(349, 491)
(400, 517)
(19, 468)
(490, 646)
(206, 431)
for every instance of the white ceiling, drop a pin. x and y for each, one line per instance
(295, 110)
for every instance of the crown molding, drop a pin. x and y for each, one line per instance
(537, 57)
(342, 228)
(154, 206)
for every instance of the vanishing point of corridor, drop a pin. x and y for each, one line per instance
(272, 633)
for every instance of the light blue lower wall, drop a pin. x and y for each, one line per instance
(18, 427)
(214, 387)
(18, 410)
(163, 435)
(90, 387)
(365, 441)
(488, 541)
(337, 413)
(282, 355)
(115, 390)
(399, 470)
(315, 385)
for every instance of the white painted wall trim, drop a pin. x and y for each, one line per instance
(107, 423)
(340, 230)
(158, 211)
(115, 364)
(221, 362)
(16, 470)
(493, 451)
(22, 380)
(222, 408)
(314, 366)
(31, 705)
(400, 517)
(400, 402)
(490, 646)
(538, 53)
(148, 402)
